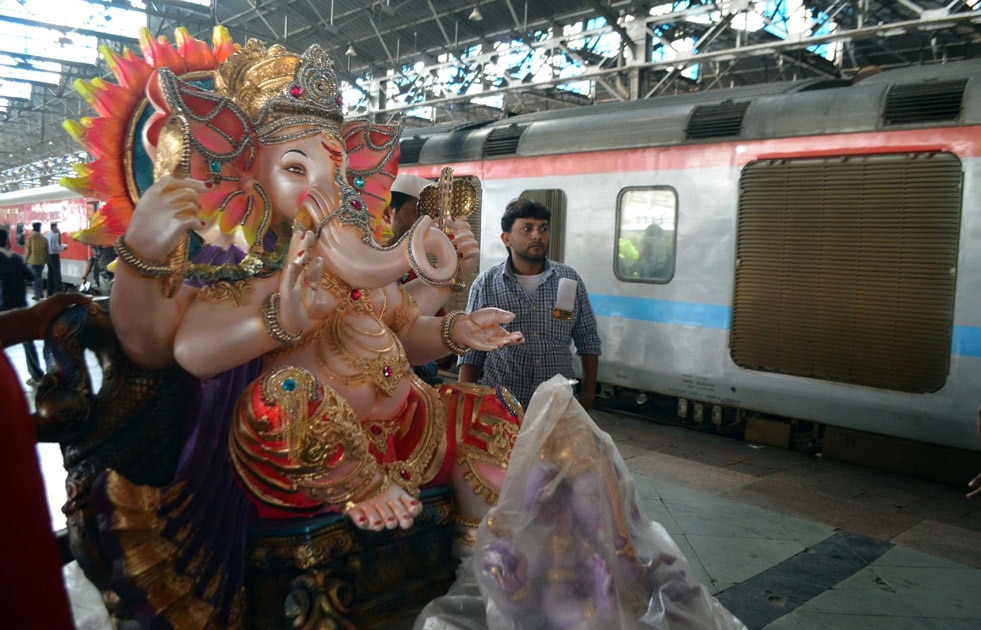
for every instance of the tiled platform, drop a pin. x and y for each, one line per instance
(785, 540)
(790, 541)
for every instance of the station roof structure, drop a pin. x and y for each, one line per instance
(429, 62)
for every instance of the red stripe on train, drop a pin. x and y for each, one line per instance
(964, 142)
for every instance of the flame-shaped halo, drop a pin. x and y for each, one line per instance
(121, 170)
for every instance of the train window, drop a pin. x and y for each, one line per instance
(846, 268)
(646, 228)
(554, 200)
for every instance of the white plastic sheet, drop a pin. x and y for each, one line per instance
(567, 545)
(88, 611)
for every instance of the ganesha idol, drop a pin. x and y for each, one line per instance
(249, 259)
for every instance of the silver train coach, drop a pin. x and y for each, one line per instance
(807, 250)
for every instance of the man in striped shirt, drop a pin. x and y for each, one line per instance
(551, 309)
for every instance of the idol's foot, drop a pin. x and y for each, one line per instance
(393, 507)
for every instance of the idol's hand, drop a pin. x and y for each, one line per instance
(298, 283)
(505, 566)
(164, 213)
(467, 249)
(483, 330)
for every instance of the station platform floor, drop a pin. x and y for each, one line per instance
(790, 541)
(785, 540)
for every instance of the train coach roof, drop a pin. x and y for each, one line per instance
(31, 195)
(544, 132)
(764, 111)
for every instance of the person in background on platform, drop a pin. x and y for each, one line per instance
(36, 255)
(14, 273)
(30, 564)
(98, 268)
(55, 247)
(401, 214)
(551, 306)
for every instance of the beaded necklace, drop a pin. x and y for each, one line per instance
(335, 335)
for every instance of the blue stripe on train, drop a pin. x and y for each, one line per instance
(966, 340)
(662, 311)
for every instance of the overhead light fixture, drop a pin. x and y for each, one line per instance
(475, 15)
(350, 52)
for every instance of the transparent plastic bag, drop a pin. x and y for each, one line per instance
(567, 546)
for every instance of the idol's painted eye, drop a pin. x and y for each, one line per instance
(296, 169)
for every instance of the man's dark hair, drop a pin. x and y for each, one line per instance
(4, 237)
(37, 226)
(54, 225)
(399, 199)
(523, 209)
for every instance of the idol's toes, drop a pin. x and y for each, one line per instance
(402, 517)
(359, 517)
(413, 506)
(392, 508)
(375, 519)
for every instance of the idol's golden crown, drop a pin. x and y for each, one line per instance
(286, 96)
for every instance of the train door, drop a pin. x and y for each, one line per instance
(554, 199)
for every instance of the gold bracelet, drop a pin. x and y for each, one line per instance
(270, 315)
(444, 331)
(144, 268)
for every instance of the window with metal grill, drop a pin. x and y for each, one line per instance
(503, 141)
(924, 102)
(716, 121)
(410, 150)
(845, 268)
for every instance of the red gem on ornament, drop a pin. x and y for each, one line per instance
(376, 429)
(296, 91)
(405, 474)
(387, 371)
(355, 294)
(356, 204)
(336, 457)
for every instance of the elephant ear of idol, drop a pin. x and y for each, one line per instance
(372, 164)
(121, 169)
(215, 142)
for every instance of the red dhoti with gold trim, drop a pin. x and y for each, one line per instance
(299, 448)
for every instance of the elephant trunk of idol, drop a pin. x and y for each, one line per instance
(365, 265)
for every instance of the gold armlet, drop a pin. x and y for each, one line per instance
(144, 268)
(270, 316)
(445, 330)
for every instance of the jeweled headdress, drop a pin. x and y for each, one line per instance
(279, 91)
